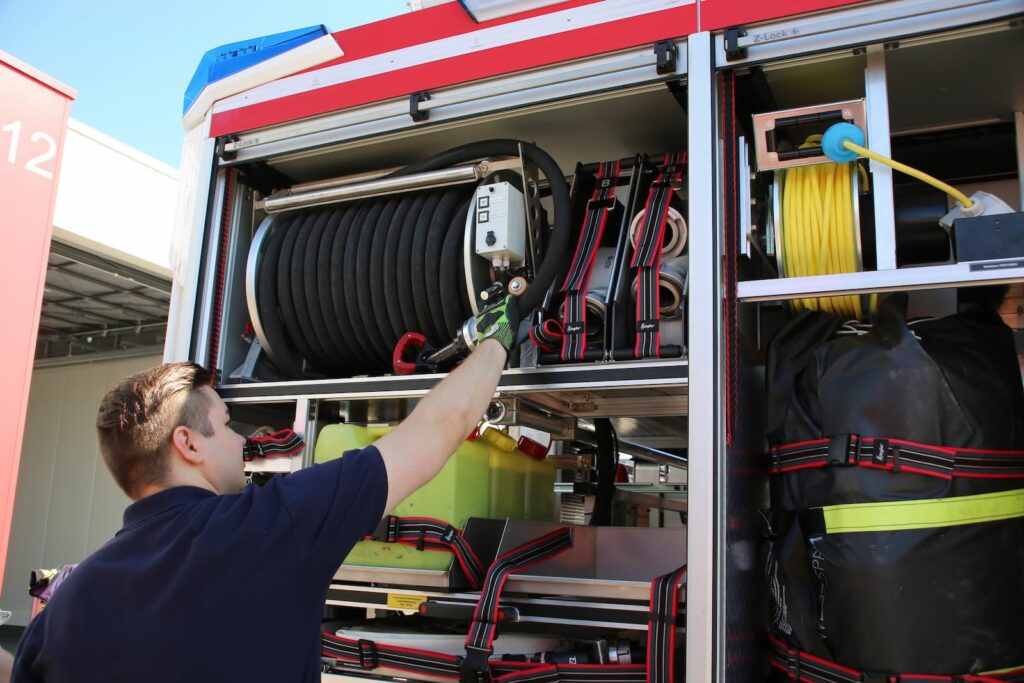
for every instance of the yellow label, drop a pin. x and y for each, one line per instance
(403, 601)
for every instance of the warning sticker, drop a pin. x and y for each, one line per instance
(405, 601)
(997, 265)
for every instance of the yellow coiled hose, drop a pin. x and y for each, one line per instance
(818, 232)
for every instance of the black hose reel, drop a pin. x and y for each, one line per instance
(331, 289)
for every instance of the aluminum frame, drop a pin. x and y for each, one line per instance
(606, 376)
(789, 37)
(877, 106)
(635, 596)
(456, 175)
(704, 654)
(547, 87)
(207, 284)
(1001, 271)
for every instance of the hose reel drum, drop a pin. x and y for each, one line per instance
(332, 286)
(814, 222)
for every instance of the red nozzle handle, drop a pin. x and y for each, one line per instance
(407, 351)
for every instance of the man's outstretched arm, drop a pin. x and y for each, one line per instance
(416, 450)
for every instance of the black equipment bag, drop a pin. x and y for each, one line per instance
(896, 535)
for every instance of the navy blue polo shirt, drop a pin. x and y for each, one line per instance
(200, 587)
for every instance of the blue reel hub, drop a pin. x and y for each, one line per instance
(835, 136)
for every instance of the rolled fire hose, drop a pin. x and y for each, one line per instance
(597, 313)
(671, 286)
(597, 293)
(675, 233)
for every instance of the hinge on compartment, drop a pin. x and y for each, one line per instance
(222, 152)
(733, 51)
(667, 54)
(415, 100)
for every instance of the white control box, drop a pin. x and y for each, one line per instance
(500, 224)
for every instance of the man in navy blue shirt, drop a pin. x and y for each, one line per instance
(212, 581)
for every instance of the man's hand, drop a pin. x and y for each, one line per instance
(500, 322)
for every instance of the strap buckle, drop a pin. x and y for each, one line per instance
(601, 203)
(843, 450)
(367, 654)
(387, 530)
(473, 666)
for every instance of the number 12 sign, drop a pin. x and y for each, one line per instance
(33, 118)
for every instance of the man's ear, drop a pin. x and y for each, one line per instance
(183, 443)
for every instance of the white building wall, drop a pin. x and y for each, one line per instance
(114, 200)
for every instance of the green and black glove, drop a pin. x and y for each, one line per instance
(499, 321)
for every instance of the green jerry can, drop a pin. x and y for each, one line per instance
(508, 475)
(539, 503)
(461, 490)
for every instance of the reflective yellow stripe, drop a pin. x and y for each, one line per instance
(1001, 671)
(923, 514)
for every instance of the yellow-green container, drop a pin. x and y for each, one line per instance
(461, 490)
(540, 490)
(334, 440)
(508, 475)
(508, 484)
(498, 439)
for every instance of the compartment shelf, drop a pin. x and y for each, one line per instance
(926, 277)
(662, 374)
(620, 604)
(275, 465)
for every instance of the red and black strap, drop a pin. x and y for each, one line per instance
(477, 666)
(284, 443)
(484, 627)
(897, 455)
(577, 280)
(576, 673)
(803, 666)
(426, 533)
(547, 335)
(368, 655)
(647, 255)
(661, 627)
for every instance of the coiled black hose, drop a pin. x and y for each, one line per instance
(339, 285)
(557, 246)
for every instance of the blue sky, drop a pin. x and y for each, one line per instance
(130, 61)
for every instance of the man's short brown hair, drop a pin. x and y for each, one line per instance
(138, 416)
